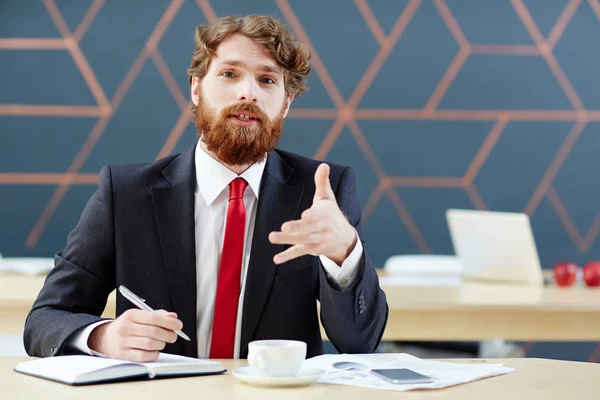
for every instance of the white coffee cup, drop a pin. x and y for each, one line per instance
(277, 357)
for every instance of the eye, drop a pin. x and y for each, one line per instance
(228, 74)
(267, 80)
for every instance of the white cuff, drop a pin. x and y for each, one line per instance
(80, 340)
(346, 274)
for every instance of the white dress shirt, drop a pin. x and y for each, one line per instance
(211, 201)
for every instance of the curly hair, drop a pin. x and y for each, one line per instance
(288, 52)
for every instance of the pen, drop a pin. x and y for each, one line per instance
(141, 304)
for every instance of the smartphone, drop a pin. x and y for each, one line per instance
(401, 376)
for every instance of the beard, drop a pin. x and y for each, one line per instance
(235, 144)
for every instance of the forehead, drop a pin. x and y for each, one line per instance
(244, 50)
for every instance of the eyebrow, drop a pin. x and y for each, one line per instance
(263, 67)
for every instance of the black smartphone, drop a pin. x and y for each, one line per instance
(401, 376)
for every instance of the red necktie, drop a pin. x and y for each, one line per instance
(228, 285)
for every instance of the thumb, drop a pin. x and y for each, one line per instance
(323, 189)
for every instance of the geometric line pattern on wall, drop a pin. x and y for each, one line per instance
(345, 114)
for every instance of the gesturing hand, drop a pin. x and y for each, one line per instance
(322, 230)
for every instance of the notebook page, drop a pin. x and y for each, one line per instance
(69, 368)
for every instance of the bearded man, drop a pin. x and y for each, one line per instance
(232, 241)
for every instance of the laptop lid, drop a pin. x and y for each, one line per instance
(493, 245)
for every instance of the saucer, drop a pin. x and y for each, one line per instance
(256, 377)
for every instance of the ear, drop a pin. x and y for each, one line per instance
(195, 89)
(288, 103)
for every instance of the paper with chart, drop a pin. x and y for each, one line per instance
(355, 370)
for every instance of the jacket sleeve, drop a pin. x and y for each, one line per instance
(76, 289)
(355, 317)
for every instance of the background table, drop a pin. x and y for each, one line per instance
(490, 311)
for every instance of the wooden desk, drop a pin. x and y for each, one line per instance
(472, 311)
(532, 378)
(17, 294)
(477, 311)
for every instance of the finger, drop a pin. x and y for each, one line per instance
(168, 313)
(322, 186)
(144, 343)
(291, 232)
(307, 238)
(300, 226)
(152, 332)
(318, 212)
(291, 253)
(156, 319)
(137, 355)
(135, 311)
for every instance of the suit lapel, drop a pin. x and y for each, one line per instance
(277, 203)
(174, 212)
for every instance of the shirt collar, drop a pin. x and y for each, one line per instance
(212, 177)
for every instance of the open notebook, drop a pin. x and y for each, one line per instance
(83, 370)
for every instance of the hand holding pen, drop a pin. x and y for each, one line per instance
(137, 334)
(141, 304)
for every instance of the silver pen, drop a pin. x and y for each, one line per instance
(141, 304)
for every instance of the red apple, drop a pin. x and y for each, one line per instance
(565, 273)
(591, 273)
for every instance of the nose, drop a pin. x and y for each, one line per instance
(248, 90)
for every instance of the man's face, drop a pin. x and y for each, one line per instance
(241, 102)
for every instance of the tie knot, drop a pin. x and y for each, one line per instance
(236, 188)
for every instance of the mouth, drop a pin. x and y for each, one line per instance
(245, 116)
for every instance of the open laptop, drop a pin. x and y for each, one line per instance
(494, 245)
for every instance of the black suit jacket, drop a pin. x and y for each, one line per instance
(138, 230)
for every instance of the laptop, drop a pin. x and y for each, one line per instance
(495, 246)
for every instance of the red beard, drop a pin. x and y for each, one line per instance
(234, 144)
